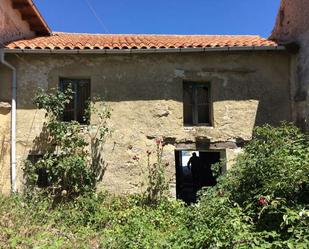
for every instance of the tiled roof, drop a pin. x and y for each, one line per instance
(67, 41)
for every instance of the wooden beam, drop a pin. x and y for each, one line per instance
(36, 27)
(20, 5)
(34, 21)
(40, 32)
(28, 16)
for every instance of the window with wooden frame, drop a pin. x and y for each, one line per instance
(196, 104)
(76, 109)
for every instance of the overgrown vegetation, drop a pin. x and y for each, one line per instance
(262, 202)
(72, 162)
(154, 184)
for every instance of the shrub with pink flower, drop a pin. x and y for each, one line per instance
(262, 201)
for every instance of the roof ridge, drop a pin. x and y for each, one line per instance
(131, 34)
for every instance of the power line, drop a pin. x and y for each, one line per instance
(96, 16)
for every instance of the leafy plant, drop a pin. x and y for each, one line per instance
(70, 169)
(262, 202)
(157, 185)
(155, 174)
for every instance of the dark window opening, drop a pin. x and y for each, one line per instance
(193, 172)
(196, 103)
(76, 109)
(42, 181)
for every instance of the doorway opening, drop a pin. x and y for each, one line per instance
(193, 172)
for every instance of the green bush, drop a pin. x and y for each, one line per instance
(275, 164)
(143, 226)
(93, 221)
(262, 202)
(72, 162)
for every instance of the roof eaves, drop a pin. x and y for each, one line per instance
(133, 51)
(31, 14)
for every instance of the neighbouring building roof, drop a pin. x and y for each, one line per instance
(73, 41)
(292, 22)
(30, 14)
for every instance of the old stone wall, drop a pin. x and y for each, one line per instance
(145, 93)
(292, 26)
(12, 27)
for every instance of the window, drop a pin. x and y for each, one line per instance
(42, 180)
(75, 110)
(196, 103)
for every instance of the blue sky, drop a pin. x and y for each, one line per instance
(161, 16)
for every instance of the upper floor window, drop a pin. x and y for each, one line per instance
(196, 103)
(76, 109)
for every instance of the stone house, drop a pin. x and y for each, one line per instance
(197, 92)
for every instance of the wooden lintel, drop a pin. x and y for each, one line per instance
(207, 145)
(223, 145)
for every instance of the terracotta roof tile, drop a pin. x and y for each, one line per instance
(107, 41)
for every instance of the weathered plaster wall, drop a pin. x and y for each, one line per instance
(292, 20)
(5, 113)
(5, 84)
(292, 26)
(145, 93)
(5, 184)
(12, 27)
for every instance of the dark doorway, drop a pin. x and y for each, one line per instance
(193, 171)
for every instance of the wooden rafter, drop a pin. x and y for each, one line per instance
(30, 14)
